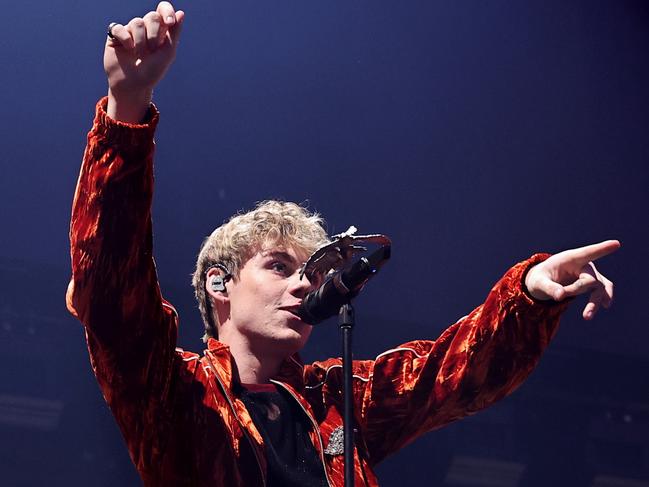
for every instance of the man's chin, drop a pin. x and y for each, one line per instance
(293, 337)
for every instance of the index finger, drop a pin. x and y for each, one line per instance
(597, 251)
(167, 12)
(120, 35)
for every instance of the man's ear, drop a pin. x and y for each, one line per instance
(215, 285)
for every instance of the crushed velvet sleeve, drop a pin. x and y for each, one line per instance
(423, 385)
(114, 292)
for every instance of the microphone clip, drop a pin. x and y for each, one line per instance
(337, 254)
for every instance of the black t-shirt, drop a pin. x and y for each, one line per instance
(284, 426)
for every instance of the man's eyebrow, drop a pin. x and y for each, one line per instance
(280, 254)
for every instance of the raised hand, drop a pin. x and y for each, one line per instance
(137, 58)
(571, 273)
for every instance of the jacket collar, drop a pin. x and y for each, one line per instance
(291, 371)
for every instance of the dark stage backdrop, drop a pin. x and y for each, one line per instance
(473, 133)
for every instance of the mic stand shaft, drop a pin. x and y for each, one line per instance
(346, 322)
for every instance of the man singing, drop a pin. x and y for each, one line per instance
(247, 412)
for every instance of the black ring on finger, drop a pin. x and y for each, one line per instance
(109, 33)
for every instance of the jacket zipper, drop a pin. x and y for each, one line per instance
(315, 428)
(243, 429)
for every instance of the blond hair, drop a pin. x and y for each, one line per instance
(270, 223)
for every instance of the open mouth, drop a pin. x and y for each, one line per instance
(294, 310)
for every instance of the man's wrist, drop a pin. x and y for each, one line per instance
(129, 107)
(528, 285)
(528, 280)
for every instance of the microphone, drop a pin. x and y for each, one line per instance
(341, 287)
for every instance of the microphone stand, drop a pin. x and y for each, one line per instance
(346, 323)
(339, 290)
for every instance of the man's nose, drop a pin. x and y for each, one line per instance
(301, 287)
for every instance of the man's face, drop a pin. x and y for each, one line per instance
(265, 298)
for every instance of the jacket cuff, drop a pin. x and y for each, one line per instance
(130, 134)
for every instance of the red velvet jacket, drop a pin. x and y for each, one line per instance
(182, 423)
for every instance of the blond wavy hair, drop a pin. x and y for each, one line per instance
(271, 223)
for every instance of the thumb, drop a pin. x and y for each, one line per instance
(585, 283)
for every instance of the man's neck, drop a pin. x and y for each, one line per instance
(253, 368)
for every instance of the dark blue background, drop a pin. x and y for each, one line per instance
(472, 133)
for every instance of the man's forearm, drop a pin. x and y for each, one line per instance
(110, 232)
